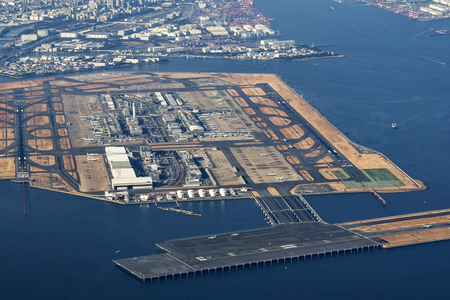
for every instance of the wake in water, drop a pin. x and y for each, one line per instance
(429, 59)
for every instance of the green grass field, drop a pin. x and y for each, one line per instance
(341, 174)
(382, 177)
(379, 174)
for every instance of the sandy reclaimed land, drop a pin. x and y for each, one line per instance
(263, 101)
(38, 107)
(279, 121)
(57, 106)
(44, 160)
(38, 120)
(64, 143)
(273, 111)
(362, 222)
(328, 173)
(416, 237)
(62, 132)
(42, 180)
(42, 133)
(249, 111)
(293, 160)
(241, 102)
(273, 191)
(294, 132)
(233, 92)
(7, 167)
(404, 224)
(4, 143)
(68, 161)
(304, 144)
(6, 133)
(23, 84)
(253, 91)
(60, 119)
(6, 106)
(41, 144)
(334, 136)
(270, 134)
(64, 83)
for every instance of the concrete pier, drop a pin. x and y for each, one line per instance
(244, 249)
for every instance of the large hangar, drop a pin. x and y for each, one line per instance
(123, 174)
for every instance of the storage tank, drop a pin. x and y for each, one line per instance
(180, 194)
(223, 192)
(201, 192)
(212, 192)
(191, 194)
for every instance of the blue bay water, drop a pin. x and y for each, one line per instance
(392, 72)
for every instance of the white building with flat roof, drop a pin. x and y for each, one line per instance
(123, 173)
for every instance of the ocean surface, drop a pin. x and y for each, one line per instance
(392, 72)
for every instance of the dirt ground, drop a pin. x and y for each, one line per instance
(396, 240)
(233, 92)
(41, 144)
(64, 143)
(279, 121)
(38, 120)
(249, 111)
(405, 224)
(241, 102)
(38, 107)
(307, 143)
(294, 132)
(273, 111)
(263, 101)
(62, 132)
(7, 167)
(57, 106)
(69, 162)
(65, 83)
(270, 134)
(6, 133)
(273, 191)
(42, 133)
(60, 119)
(293, 160)
(44, 160)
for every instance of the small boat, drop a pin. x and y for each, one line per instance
(117, 251)
(394, 126)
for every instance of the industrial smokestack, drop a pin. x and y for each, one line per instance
(134, 111)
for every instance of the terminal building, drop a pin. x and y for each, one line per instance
(123, 174)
